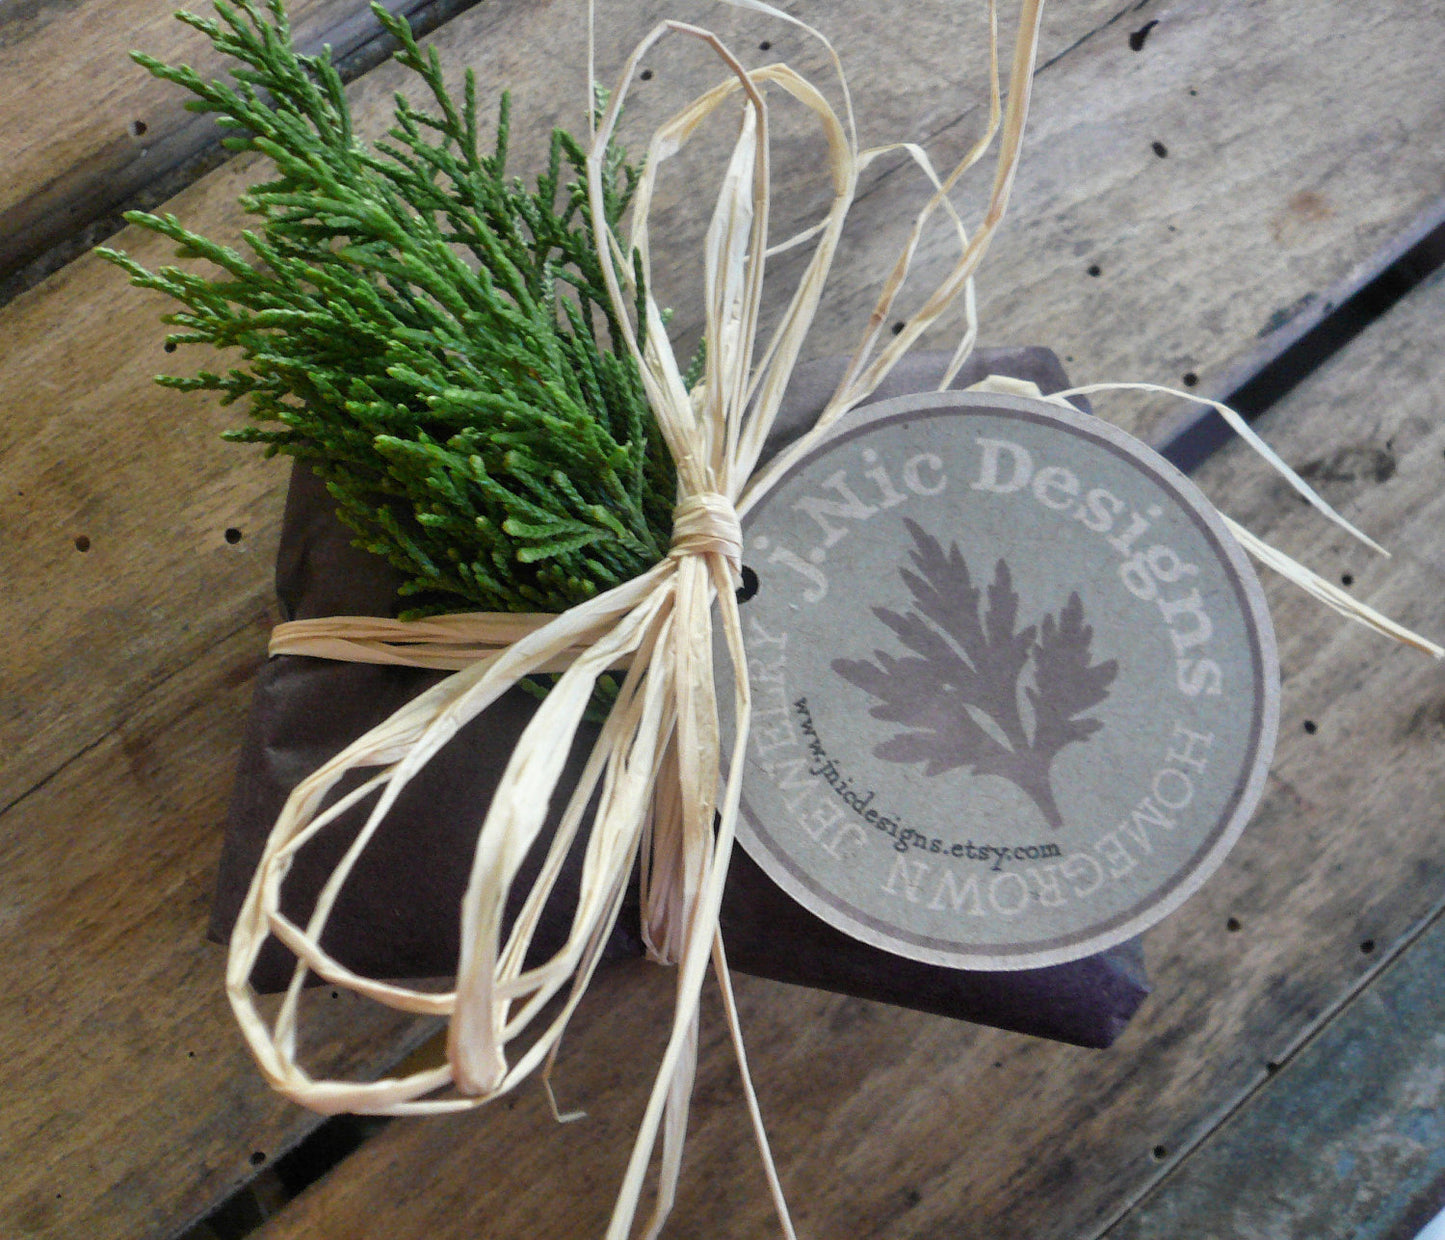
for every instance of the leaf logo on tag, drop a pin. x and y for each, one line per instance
(979, 694)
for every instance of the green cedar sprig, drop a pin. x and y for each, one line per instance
(426, 333)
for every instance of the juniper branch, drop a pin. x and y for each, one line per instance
(431, 336)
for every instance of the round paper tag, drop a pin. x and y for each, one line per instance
(1014, 684)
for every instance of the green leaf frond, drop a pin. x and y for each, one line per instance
(427, 333)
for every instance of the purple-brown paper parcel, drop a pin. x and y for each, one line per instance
(398, 915)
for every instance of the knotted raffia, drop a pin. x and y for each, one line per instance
(654, 769)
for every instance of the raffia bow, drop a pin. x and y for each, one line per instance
(654, 769)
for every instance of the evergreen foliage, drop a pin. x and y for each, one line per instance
(427, 334)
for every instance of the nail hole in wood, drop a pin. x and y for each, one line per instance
(1367, 946)
(1311, 727)
(749, 586)
(1095, 269)
(1347, 580)
(1232, 925)
(137, 128)
(646, 75)
(1137, 39)
(1192, 91)
(1190, 378)
(1159, 1153)
(82, 542)
(233, 535)
(765, 46)
(897, 328)
(169, 346)
(257, 1158)
(1159, 149)
(1271, 1068)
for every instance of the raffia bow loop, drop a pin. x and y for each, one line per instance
(705, 523)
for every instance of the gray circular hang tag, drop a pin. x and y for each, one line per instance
(1014, 684)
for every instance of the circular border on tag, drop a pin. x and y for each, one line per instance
(775, 860)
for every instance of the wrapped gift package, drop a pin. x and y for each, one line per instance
(398, 916)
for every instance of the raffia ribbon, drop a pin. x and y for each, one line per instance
(654, 768)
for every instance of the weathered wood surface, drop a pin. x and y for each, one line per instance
(133, 1106)
(1376, 446)
(888, 1124)
(1290, 176)
(86, 129)
(136, 646)
(1347, 1143)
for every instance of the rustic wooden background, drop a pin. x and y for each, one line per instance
(1206, 183)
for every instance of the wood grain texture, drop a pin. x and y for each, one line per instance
(1347, 1142)
(133, 1106)
(83, 129)
(138, 650)
(887, 1124)
(1289, 170)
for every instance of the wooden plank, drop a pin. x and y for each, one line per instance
(891, 1124)
(1290, 177)
(83, 129)
(132, 1106)
(1345, 1141)
(72, 164)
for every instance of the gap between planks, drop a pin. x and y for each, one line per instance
(38, 249)
(63, 219)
